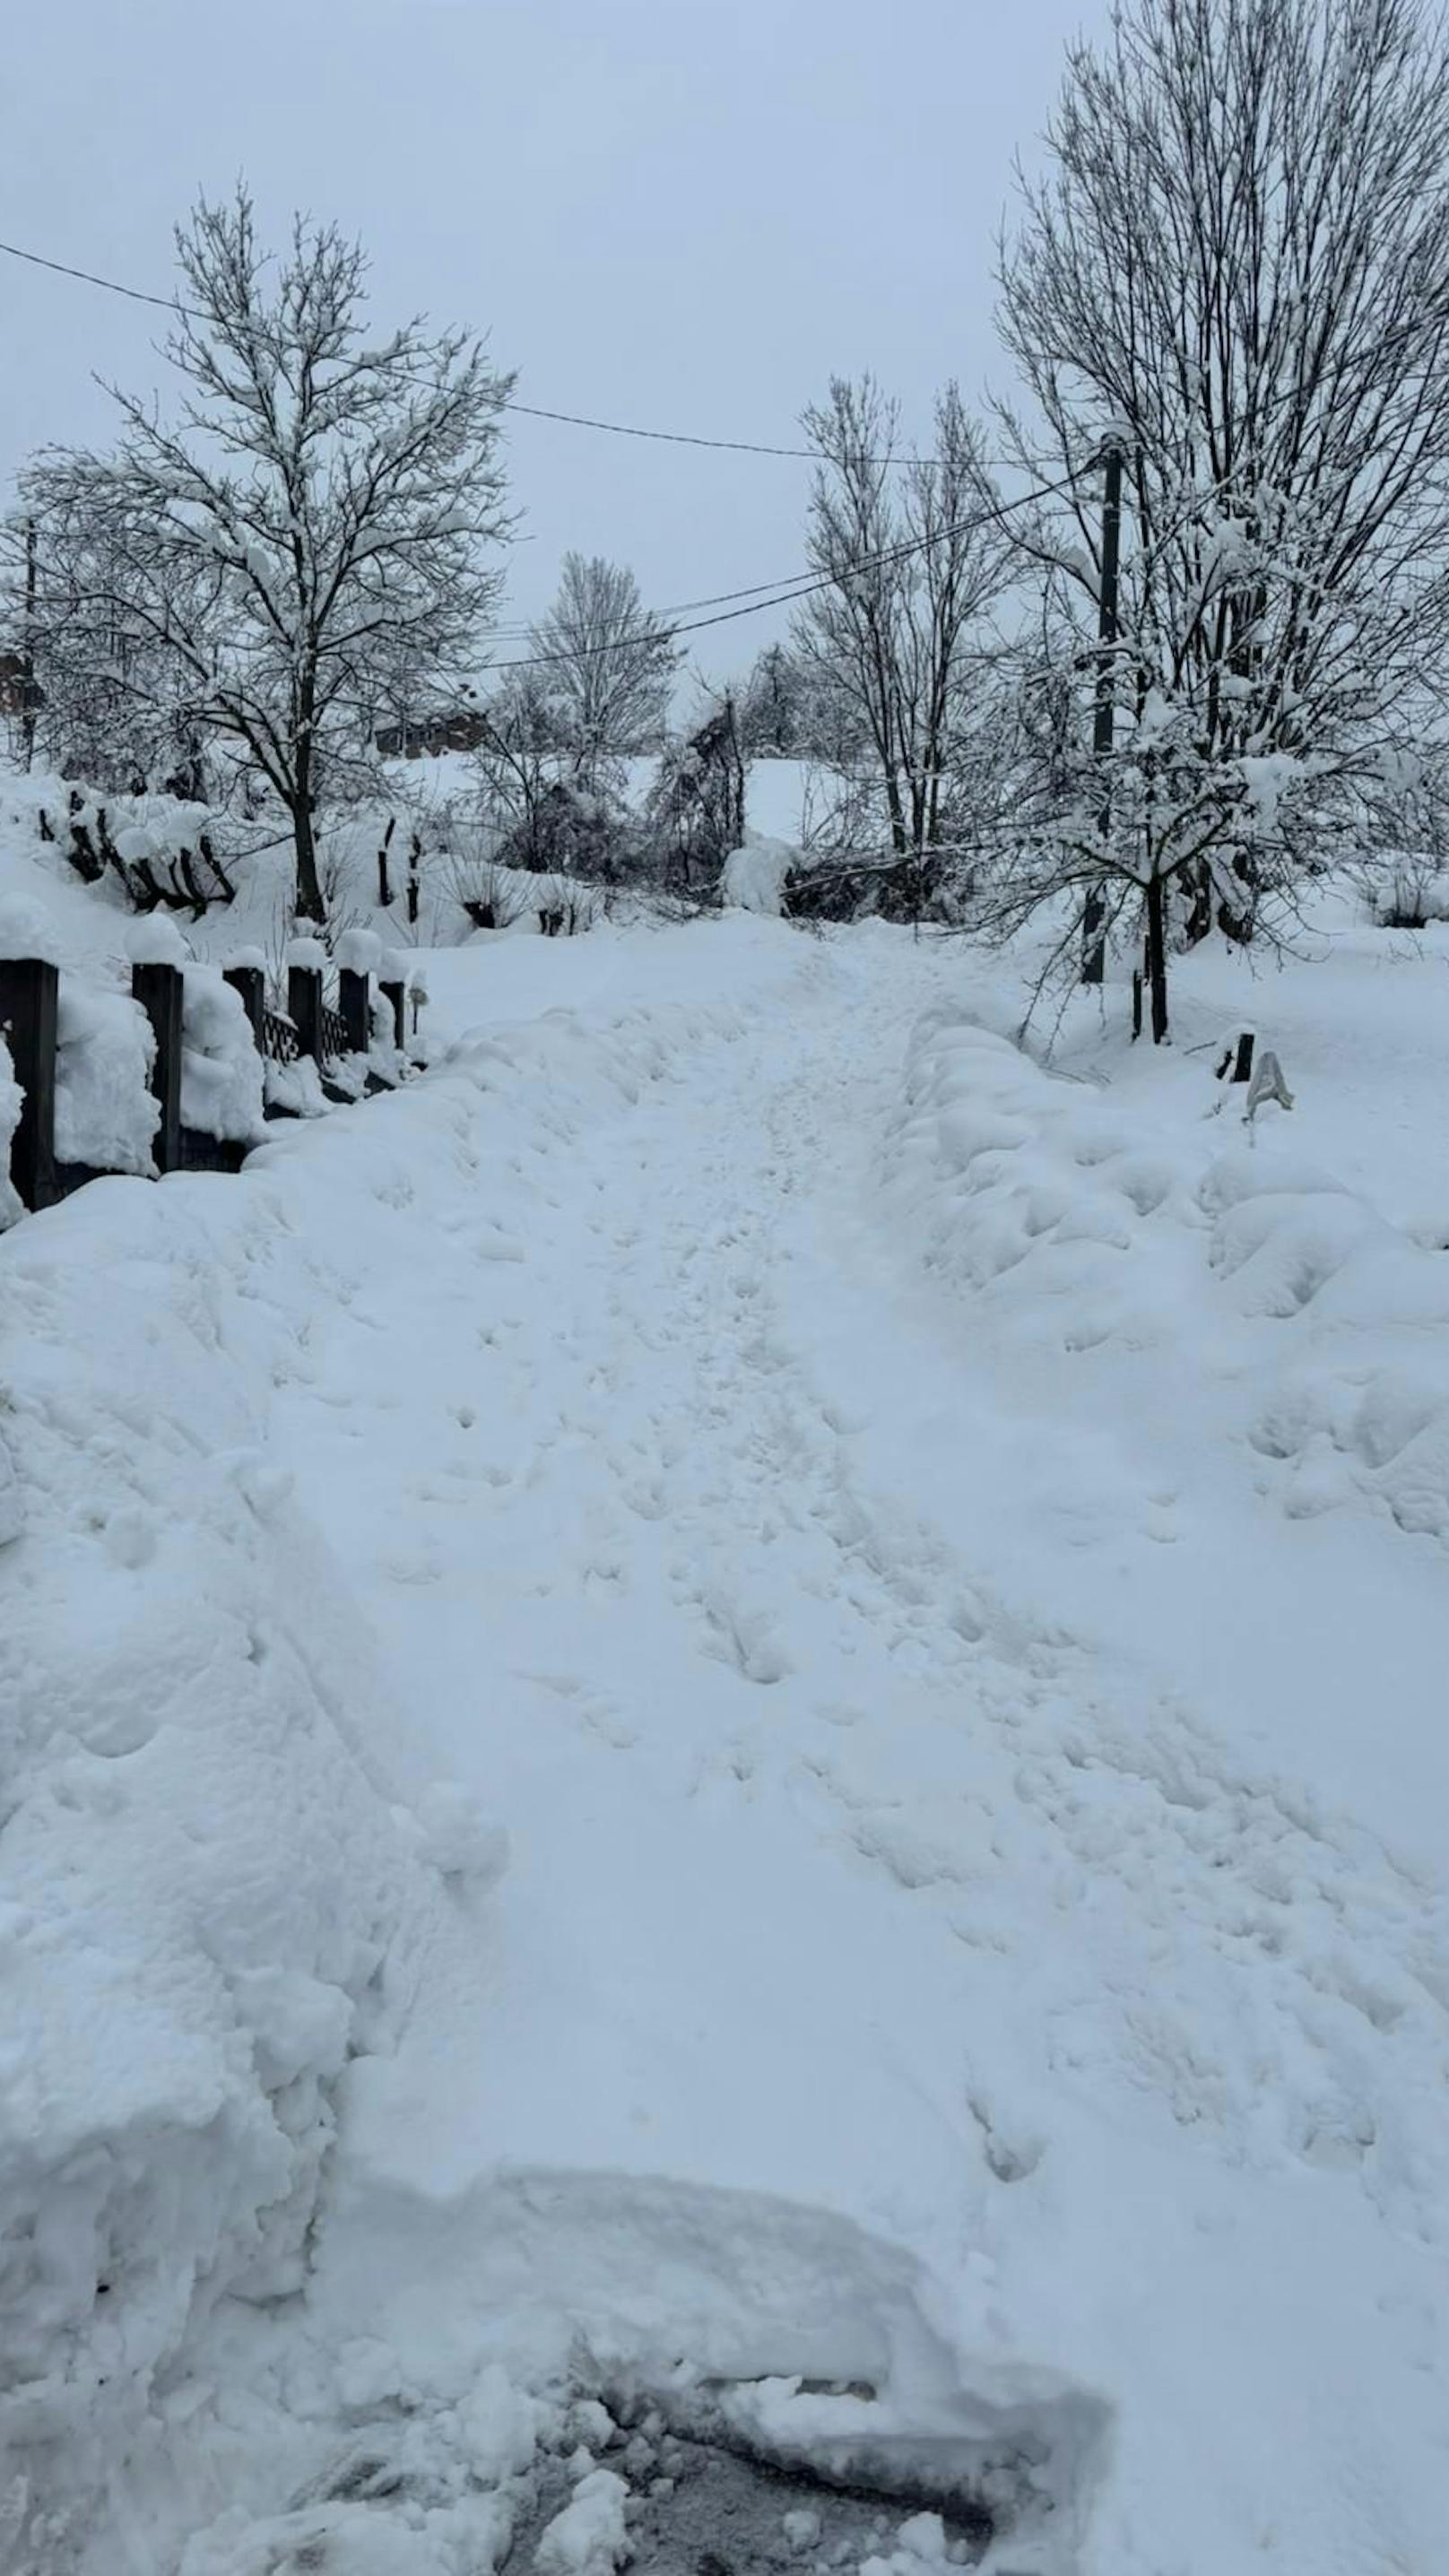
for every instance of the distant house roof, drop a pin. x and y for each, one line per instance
(426, 737)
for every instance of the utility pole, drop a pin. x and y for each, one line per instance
(27, 662)
(1094, 946)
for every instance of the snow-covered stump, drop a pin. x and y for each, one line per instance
(29, 1001)
(158, 988)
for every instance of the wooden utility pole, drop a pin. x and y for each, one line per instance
(1094, 944)
(27, 665)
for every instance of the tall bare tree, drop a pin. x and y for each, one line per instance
(606, 666)
(1237, 266)
(323, 508)
(912, 560)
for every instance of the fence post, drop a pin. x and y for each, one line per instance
(1237, 1057)
(251, 983)
(304, 1007)
(29, 992)
(158, 989)
(394, 991)
(354, 1004)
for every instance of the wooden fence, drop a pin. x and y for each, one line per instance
(311, 1027)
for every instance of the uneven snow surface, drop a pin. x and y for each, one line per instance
(938, 1571)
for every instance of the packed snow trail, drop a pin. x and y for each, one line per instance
(856, 1902)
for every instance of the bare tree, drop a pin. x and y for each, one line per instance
(774, 715)
(607, 666)
(111, 699)
(1237, 267)
(320, 512)
(913, 560)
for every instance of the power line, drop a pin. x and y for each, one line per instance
(792, 587)
(757, 596)
(1431, 318)
(687, 438)
(534, 411)
(803, 586)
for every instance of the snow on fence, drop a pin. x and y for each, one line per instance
(183, 1074)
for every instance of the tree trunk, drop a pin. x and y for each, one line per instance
(900, 837)
(1157, 957)
(309, 905)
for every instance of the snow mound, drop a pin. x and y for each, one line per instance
(222, 1075)
(105, 1113)
(755, 875)
(208, 1900)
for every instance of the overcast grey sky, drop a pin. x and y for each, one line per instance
(686, 213)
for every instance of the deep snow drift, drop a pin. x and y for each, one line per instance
(939, 1571)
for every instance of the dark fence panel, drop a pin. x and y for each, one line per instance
(29, 996)
(310, 1026)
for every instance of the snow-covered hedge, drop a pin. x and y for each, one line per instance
(141, 850)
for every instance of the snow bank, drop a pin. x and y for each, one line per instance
(1110, 1244)
(212, 1899)
(209, 1900)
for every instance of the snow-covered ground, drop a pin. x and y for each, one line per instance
(938, 1570)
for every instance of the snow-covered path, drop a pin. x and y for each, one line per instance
(895, 1977)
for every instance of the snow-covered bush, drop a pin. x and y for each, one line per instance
(1404, 889)
(755, 876)
(156, 850)
(490, 895)
(495, 897)
(562, 907)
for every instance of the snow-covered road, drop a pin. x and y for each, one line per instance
(971, 1928)
(849, 1870)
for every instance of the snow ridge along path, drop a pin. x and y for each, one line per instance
(920, 1968)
